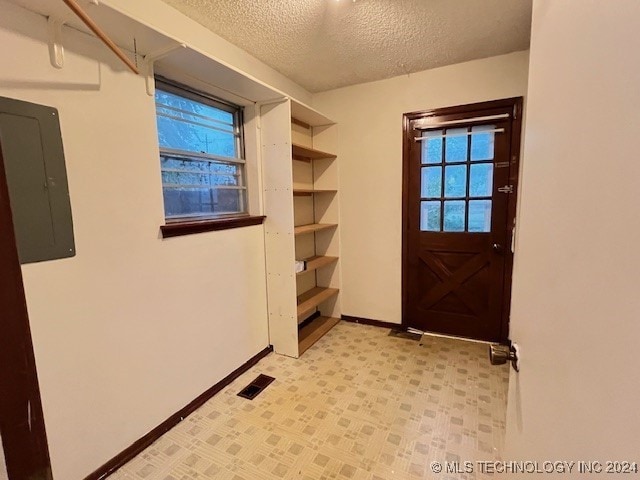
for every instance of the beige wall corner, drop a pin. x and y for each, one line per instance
(369, 117)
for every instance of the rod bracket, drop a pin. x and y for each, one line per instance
(151, 58)
(54, 37)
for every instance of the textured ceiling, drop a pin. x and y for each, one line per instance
(326, 44)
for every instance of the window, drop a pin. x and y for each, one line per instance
(201, 155)
(457, 179)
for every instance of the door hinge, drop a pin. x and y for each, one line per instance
(506, 189)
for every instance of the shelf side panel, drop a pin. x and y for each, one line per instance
(279, 238)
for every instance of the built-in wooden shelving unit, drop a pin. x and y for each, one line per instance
(310, 334)
(302, 192)
(309, 300)
(313, 227)
(313, 263)
(303, 306)
(300, 152)
(318, 288)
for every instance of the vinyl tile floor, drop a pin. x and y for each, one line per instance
(359, 404)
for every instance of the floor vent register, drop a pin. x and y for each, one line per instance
(256, 387)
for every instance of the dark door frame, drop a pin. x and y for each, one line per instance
(460, 112)
(21, 418)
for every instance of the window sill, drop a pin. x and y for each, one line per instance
(179, 229)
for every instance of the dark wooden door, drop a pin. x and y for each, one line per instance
(21, 419)
(460, 179)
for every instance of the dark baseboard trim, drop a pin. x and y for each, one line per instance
(139, 445)
(375, 323)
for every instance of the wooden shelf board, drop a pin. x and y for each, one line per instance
(314, 332)
(313, 263)
(298, 192)
(312, 298)
(313, 227)
(308, 115)
(305, 153)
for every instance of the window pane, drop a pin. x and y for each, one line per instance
(481, 183)
(456, 145)
(482, 144)
(196, 138)
(430, 216)
(184, 124)
(454, 216)
(199, 187)
(193, 185)
(455, 181)
(432, 148)
(431, 182)
(188, 106)
(191, 172)
(480, 216)
(189, 202)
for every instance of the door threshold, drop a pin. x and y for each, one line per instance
(453, 337)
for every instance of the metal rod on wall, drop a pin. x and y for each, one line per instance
(77, 9)
(425, 124)
(464, 134)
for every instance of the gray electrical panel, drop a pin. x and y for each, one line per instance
(31, 145)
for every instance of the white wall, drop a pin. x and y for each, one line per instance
(370, 155)
(133, 327)
(575, 296)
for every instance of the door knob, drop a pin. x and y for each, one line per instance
(497, 248)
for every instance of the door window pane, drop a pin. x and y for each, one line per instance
(454, 216)
(456, 145)
(482, 144)
(432, 148)
(430, 216)
(431, 182)
(481, 182)
(457, 197)
(480, 216)
(455, 181)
